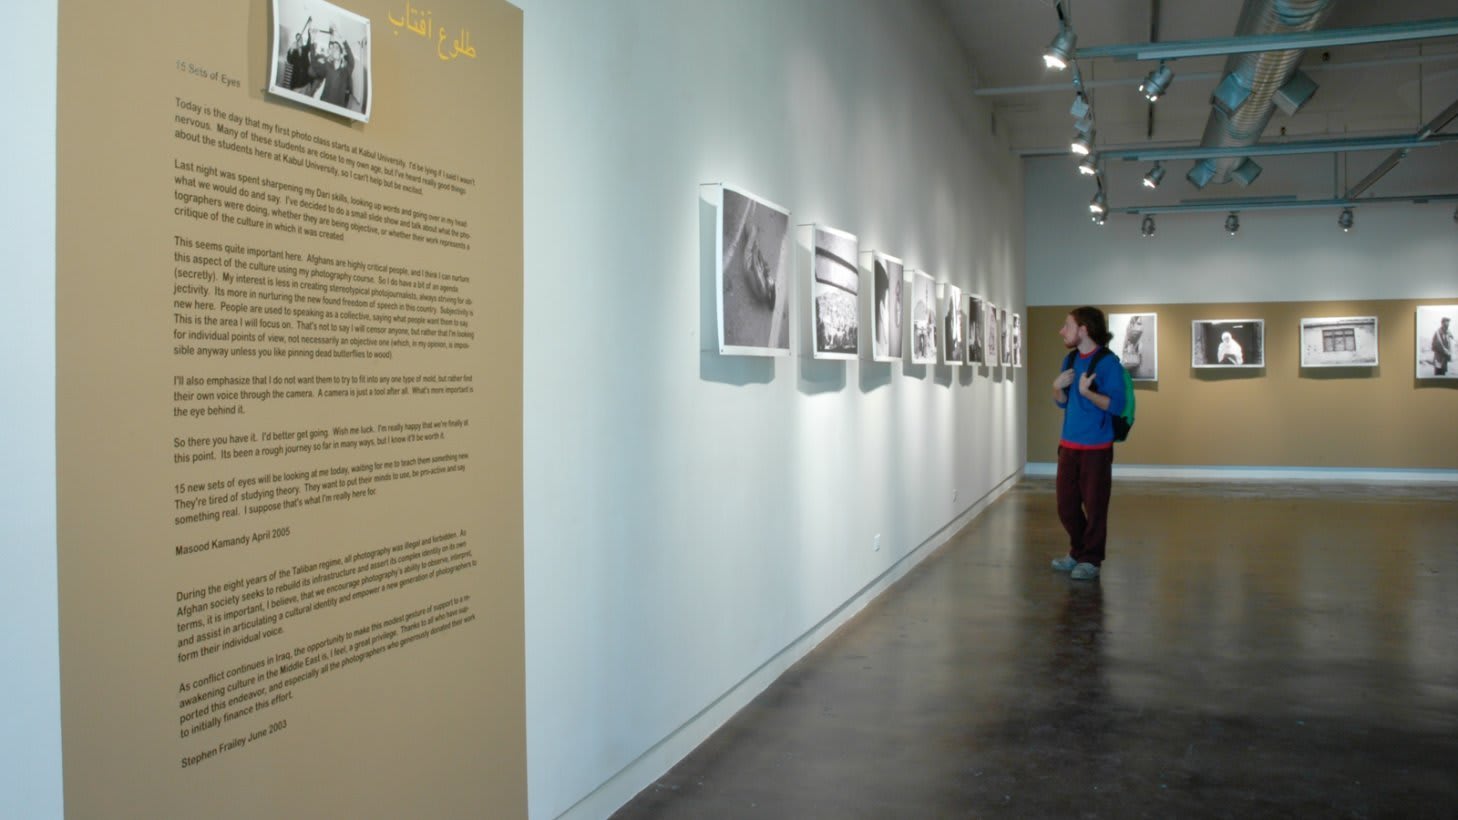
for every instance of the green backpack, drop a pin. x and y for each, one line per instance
(1124, 421)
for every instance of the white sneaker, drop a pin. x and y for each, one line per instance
(1084, 572)
(1064, 564)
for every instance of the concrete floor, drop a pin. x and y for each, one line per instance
(1258, 650)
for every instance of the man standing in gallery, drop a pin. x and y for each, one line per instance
(1086, 448)
(1442, 349)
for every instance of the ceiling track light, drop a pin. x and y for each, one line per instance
(1098, 218)
(1082, 143)
(1232, 223)
(1099, 205)
(1345, 220)
(1060, 52)
(1146, 228)
(1090, 165)
(1157, 82)
(1155, 176)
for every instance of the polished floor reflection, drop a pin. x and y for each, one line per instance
(1254, 650)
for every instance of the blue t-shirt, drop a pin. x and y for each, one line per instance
(1085, 426)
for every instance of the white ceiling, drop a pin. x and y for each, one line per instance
(1411, 84)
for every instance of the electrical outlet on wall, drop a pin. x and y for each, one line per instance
(876, 543)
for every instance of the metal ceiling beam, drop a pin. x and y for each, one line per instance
(1279, 204)
(1435, 125)
(1321, 38)
(1309, 68)
(1273, 149)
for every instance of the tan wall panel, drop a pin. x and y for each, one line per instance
(1279, 416)
(384, 686)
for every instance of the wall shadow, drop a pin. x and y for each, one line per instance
(874, 375)
(822, 375)
(1215, 374)
(1337, 373)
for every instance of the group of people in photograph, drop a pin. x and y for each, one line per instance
(320, 67)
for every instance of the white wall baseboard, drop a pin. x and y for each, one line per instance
(652, 764)
(1043, 469)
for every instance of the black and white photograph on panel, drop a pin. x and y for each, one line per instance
(954, 322)
(753, 291)
(1004, 344)
(1228, 343)
(1435, 328)
(1136, 341)
(834, 294)
(976, 336)
(321, 57)
(1016, 334)
(923, 319)
(994, 356)
(887, 309)
(1330, 341)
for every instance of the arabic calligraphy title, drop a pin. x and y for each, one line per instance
(419, 22)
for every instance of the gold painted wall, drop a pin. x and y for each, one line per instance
(289, 427)
(1279, 416)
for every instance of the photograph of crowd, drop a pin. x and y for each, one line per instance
(834, 291)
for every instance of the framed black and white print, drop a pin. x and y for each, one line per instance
(1004, 344)
(1015, 335)
(1436, 326)
(1228, 343)
(1136, 342)
(752, 287)
(954, 324)
(835, 282)
(994, 351)
(923, 321)
(976, 333)
(887, 308)
(321, 57)
(1346, 341)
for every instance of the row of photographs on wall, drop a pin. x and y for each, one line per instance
(908, 314)
(1327, 341)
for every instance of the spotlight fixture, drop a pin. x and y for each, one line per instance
(1099, 204)
(1155, 176)
(1155, 84)
(1090, 165)
(1082, 143)
(1060, 51)
(1345, 220)
(1099, 218)
(1232, 223)
(1146, 228)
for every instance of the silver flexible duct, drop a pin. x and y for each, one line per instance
(1262, 74)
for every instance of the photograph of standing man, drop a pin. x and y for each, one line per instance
(1086, 447)
(1442, 347)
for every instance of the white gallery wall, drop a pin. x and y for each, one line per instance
(689, 517)
(30, 723)
(1398, 251)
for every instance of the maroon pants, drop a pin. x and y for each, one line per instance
(1085, 479)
